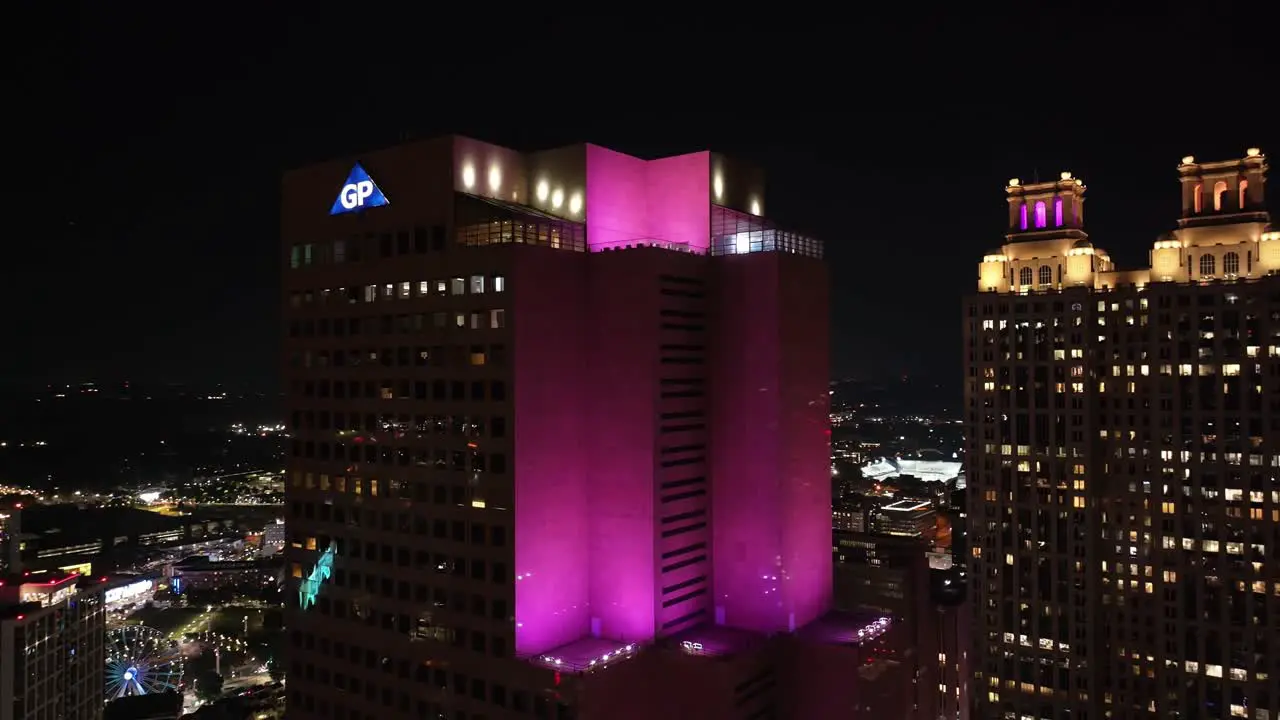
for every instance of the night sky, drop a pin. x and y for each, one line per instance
(146, 164)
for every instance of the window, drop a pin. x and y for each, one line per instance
(1041, 219)
(1023, 216)
(1025, 276)
(477, 284)
(497, 319)
(1046, 275)
(1231, 264)
(499, 283)
(1057, 212)
(1219, 194)
(1197, 197)
(1244, 195)
(1207, 265)
(457, 286)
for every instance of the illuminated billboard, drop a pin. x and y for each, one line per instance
(358, 193)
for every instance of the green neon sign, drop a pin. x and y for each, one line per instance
(309, 588)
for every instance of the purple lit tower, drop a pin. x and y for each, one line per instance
(588, 390)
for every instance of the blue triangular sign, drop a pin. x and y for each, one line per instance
(358, 192)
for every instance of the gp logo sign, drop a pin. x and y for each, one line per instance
(358, 192)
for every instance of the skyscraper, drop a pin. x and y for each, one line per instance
(52, 648)
(548, 408)
(1124, 440)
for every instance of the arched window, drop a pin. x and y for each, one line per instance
(1041, 219)
(1231, 264)
(1207, 265)
(1024, 216)
(1197, 197)
(1046, 275)
(1219, 194)
(1024, 276)
(1057, 212)
(1244, 195)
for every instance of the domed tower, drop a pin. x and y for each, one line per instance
(992, 276)
(1044, 241)
(1219, 235)
(1046, 210)
(1081, 263)
(1166, 259)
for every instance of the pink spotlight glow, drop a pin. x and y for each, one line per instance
(550, 473)
(620, 444)
(1041, 219)
(1023, 214)
(1057, 212)
(632, 201)
(770, 451)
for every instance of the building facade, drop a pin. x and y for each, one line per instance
(52, 647)
(1124, 509)
(529, 394)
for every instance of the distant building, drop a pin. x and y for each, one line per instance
(905, 518)
(893, 576)
(849, 515)
(201, 573)
(273, 539)
(52, 537)
(51, 647)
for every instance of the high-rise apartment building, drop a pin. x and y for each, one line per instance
(52, 647)
(548, 409)
(1124, 445)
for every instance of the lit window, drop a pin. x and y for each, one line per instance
(477, 284)
(499, 283)
(457, 286)
(1057, 212)
(1041, 219)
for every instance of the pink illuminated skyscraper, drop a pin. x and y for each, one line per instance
(555, 412)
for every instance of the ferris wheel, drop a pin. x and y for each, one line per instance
(141, 661)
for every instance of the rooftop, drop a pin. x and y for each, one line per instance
(20, 594)
(908, 505)
(846, 628)
(715, 640)
(586, 654)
